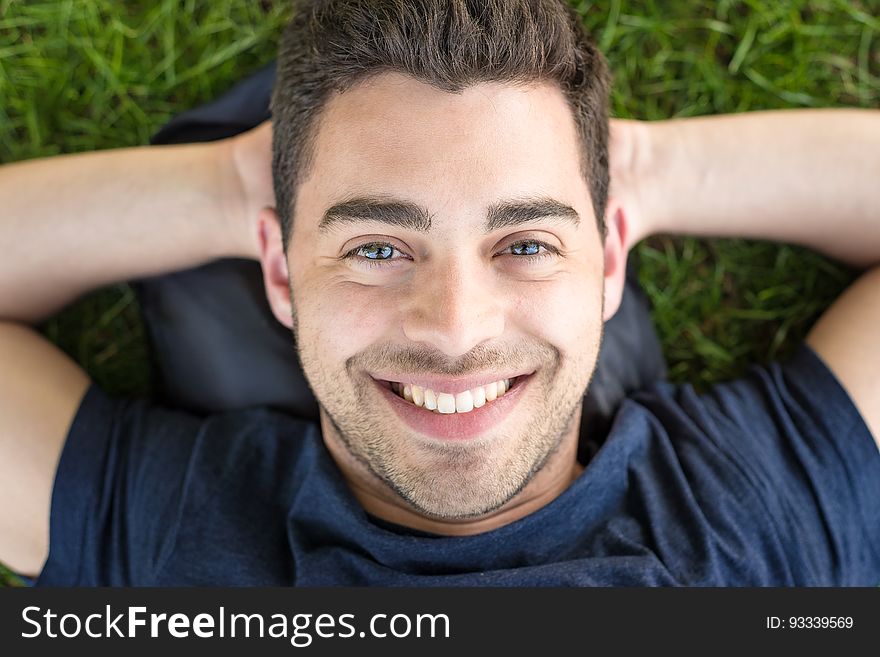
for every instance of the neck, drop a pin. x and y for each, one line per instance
(380, 501)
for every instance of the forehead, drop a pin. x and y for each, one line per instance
(456, 154)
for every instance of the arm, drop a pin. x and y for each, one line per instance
(40, 391)
(73, 223)
(804, 177)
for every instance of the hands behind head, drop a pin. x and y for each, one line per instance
(251, 158)
(629, 152)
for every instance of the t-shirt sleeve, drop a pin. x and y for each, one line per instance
(794, 445)
(118, 492)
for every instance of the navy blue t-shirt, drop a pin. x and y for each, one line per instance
(773, 479)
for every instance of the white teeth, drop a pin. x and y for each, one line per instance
(464, 402)
(445, 403)
(430, 400)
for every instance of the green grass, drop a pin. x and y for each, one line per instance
(722, 305)
(78, 76)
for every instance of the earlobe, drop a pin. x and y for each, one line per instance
(616, 231)
(273, 259)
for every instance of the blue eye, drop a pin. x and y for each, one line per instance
(531, 247)
(376, 251)
(379, 254)
(373, 254)
(532, 250)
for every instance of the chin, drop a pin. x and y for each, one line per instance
(463, 481)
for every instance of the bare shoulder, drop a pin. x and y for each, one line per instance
(40, 392)
(846, 337)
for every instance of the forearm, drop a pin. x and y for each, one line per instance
(74, 223)
(804, 177)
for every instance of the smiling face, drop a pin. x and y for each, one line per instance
(443, 242)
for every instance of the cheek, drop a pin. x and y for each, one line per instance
(339, 319)
(565, 313)
(342, 319)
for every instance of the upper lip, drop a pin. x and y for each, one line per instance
(445, 383)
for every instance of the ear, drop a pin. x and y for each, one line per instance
(276, 277)
(616, 232)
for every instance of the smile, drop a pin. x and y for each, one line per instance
(448, 402)
(453, 424)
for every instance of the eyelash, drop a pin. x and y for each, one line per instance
(549, 251)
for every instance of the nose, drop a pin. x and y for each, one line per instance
(452, 307)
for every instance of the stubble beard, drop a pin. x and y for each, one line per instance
(456, 479)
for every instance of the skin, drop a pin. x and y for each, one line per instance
(422, 311)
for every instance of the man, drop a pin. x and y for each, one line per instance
(445, 252)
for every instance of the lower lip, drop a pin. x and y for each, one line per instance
(455, 426)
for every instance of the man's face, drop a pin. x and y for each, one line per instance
(443, 293)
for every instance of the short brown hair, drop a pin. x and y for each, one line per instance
(331, 45)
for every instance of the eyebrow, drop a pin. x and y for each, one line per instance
(410, 216)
